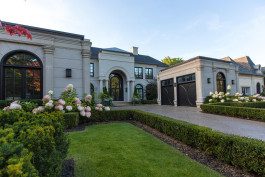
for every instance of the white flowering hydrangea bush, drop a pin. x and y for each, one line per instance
(221, 97)
(68, 102)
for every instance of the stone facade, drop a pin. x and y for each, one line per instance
(59, 51)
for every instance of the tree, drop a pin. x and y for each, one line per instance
(172, 61)
(16, 30)
(151, 91)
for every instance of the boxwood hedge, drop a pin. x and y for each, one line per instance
(233, 111)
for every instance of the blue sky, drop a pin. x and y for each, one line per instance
(159, 28)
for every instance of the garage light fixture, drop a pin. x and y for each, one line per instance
(233, 82)
(208, 80)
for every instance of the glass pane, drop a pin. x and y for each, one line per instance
(17, 84)
(9, 88)
(9, 72)
(33, 85)
(23, 59)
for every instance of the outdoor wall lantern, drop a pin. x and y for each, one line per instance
(233, 82)
(208, 80)
(68, 72)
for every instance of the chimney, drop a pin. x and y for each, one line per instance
(135, 50)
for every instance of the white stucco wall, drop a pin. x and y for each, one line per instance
(251, 82)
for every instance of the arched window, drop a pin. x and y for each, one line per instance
(258, 88)
(22, 76)
(220, 82)
(139, 89)
(92, 89)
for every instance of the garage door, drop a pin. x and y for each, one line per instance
(186, 90)
(167, 92)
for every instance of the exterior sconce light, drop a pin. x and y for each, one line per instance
(233, 82)
(68, 72)
(208, 80)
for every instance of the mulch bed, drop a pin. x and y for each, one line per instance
(68, 169)
(202, 157)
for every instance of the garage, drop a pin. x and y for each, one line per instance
(167, 92)
(186, 90)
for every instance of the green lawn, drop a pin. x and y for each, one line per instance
(121, 149)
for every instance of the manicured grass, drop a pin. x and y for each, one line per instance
(121, 149)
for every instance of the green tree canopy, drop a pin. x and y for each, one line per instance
(172, 61)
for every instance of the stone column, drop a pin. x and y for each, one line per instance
(158, 91)
(199, 87)
(100, 85)
(175, 92)
(48, 78)
(86, 45)
(128, 91)
(132, 87)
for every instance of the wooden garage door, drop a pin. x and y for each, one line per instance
(186, 90)
(167, 92)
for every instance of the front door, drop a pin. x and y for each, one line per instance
(116, 87)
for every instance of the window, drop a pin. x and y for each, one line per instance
(220, 82)
(186, 78)
(92, 69)
(258, 88)
(246, 90)
(22, 76)
(149, 73)
(138, 72)
(140, 91)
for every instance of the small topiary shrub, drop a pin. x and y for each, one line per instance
(71, 119)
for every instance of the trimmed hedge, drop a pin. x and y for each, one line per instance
(260, 104)
(41, 135)
(246, 153)
(241, 112)
(4, 103)
(71, 119)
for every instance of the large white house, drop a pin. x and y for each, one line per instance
(53, 59)
(190, 82)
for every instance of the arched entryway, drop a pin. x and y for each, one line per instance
(220, 82)
(258, 88)
(116, 85)
(21, 76)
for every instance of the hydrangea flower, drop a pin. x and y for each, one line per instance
(50, 92)
(69, 108)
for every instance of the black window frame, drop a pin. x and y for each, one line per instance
(92, 70)
(148, 75)
(138, 74)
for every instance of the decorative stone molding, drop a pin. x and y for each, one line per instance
(48, 49)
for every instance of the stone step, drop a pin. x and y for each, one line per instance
(121, 103)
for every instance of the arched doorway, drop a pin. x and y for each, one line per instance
(220, 82)
(258, 88)
(140, 90)
(21, 73)
(116, 86)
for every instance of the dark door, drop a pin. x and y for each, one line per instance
(167, 92)
(186, 90)
(187, 94)
(116, 87)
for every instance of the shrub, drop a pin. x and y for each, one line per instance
(246, 153)
(4, 103)
(151, 91)
(71, 119)
(241, 112)
(42, 135)
(15, 159)
(149, 101)
(244, 104)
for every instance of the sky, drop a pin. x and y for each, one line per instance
(175, 28)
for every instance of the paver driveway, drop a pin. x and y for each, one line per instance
(242, 127)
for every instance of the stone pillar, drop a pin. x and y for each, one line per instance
(86, 45)
(100, 85)
(132, 88)
(199, 87)
(175, 92)
(128, 91)
(158, 91)
(48, 78)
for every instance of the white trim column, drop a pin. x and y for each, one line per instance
(199, 82)
(86, 45)
(132, 87)
(128, 91)
(100, 85)
(48, 78)
(107, 84)
(175, 91)
(158, 91)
